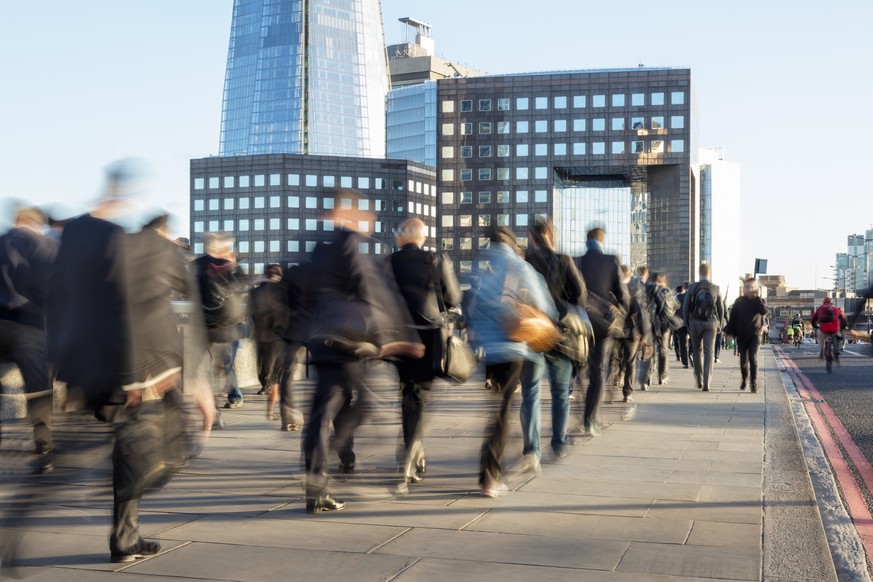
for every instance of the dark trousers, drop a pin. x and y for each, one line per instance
(340, 397)
(748, 347)
(702, 334)
(627, 349)
(25, 346)
(660, 357)
(598, 361)
(504, 380)
(680, 338)
(270, 360)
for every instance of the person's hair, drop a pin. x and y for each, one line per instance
(597, 233)
(158, 222)
(30, 214)
(679, 289)
(502, 234)
(217, 242)
(751, 280)
(412, 230)
(661, 278)
(273, 270)
(541, 229)
(705, 270)
(642, 271)
(625, 272)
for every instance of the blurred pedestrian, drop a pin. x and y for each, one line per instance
(662, 309)
(422, 277)
(637, 333)
(357, 316)
(680, 336)
(745, 325)
(704, 312)
(602, 275)
(26, 259)
(270, 318)
(566, 287)
(222, 287)
(509, 277)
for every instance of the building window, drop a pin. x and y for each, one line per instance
(503, 151)
(560, 125)
(658, 122)
(293, 224)
(677, 122)
(598, 148)
(448, 244)
(466, 174)
(503, 173)
(677, 146)
(274, 246)
(484, 220)
(503, 196)
(598, 101)
(447, 175)
(448, 221)
(294, 202)
(465, 220)
(503, 105)
(275, 223)
(310, 246)
(466, 151)
(618, 124)
(638, 99)
(448, 197)
(579, 101)
(598, 124)
(638, 123)
(541, 126)
(466, 105)
(198, 226)
(618, 147)
(541, 196)
(638, 147)
(484, 173)
(259, 180)
(293, 180)
(466, 266)
(448, 129)
(560, 149)
(541, 173)
(521, 127)
(657, 99)
(311, 202)
(448, 152)
(466, 243)
(484, 197)
(503, 220)
(228, 181)
(618, 100)
(579, 125)
(560, 102)
(466, 129)
(485, 128)
(328, 181)
(484, 151)
(522, 103)
(363, 183)
(345, 181)
(293, 246)
(259, 223)
(466, 197)
(579, 148)
(484, 242)
(199, 205)
(213, 204)
(311, 180)
(541, 103)
(521, 197)
(657, 146)
(198, 183)
(541, 149)
(275, 202)
(213, 226)
(484, 104)
(521, 150)
(311, 224)
(275, 180)
(677, 98)
(448, 106)
(243, 246)
(213, 183)
(503, 127)
(521, 220)
(522, 173)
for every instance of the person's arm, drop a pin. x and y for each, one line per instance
(451, 288)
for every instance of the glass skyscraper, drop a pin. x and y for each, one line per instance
(305, 77)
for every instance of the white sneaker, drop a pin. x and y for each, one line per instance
(531, 464)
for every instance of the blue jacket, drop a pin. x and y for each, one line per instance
(486, 320)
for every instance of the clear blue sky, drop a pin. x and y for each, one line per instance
(784, 87)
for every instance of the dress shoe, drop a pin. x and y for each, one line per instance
(141, 549)
(412, 478)
(743, 385)
(347, 468)
(324, 503)
(290, 427)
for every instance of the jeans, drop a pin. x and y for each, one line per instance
(223, 355)
(662, 347)
(560, 370)
(504, 377)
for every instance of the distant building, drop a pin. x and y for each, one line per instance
(415, 62)
(720, 220)
(305, 77)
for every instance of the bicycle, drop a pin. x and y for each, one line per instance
(830, 352)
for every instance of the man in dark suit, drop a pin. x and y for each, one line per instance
(420, 276)
(704, 312)
(602, 275)
(356, 317)
(26, 258)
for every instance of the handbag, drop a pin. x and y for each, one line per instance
(453, 358)
(526, 323)
(576, 334)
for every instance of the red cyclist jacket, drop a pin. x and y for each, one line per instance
(831, 326)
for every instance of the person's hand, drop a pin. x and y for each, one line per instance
(201, 393)
(134, 397)
(411, 349)
(859, 335)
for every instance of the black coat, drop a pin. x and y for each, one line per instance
(413, 270)
(602, 277)
(747, 317)
(562, 278)
(270, 312)
(26, 259)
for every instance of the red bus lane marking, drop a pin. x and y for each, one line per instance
(857, 506)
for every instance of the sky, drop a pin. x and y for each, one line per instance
(784, 87)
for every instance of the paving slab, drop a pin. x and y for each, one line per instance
(704, 562)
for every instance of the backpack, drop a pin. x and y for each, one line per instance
(827, 314)
(703, 303)
(223, 302)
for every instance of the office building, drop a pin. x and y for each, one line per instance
(305, 77)
(410, 63)
(616, 148)
(720, 221)
(274, 204)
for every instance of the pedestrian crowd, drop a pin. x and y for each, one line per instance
(89, 302)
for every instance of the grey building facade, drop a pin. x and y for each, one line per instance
(274, 204)
(601, 147)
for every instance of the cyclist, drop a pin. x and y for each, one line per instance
(798, 333)
(830, 320)
(789, 333)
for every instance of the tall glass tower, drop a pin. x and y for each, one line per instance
(305, 77)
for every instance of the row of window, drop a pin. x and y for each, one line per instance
(563, 101)
(561, 125)
(293, 246)
(484, 220)
(560, 149)
(310, 180)
(311, 202)
(500, 197)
